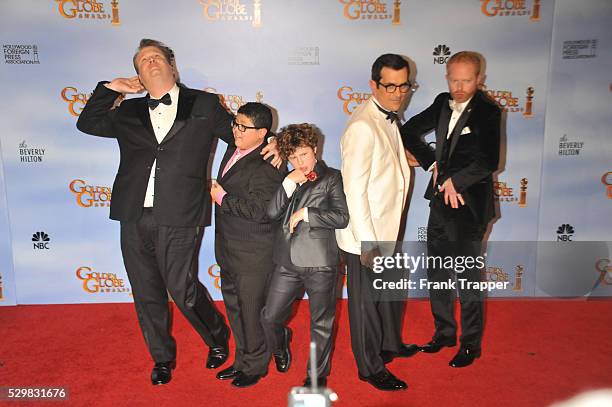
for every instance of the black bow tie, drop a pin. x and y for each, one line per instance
(153, 103)
(391, 116)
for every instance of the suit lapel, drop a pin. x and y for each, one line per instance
(226, 157)
(253, 155)
(145, 118)
(442, 130)
(460, 124)
(381, 124)
(183, 110)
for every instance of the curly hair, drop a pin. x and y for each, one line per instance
(294, 136)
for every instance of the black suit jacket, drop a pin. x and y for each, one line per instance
(473, 157)
(244, 235)
(181, 192)
(312, 243)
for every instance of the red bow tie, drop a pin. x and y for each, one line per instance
(312, 176)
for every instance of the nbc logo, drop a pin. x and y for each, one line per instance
(565, 233)
(441, 54)
(40, 241)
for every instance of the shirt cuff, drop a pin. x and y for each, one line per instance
(289, 186)
(219, 197)
(305, 214)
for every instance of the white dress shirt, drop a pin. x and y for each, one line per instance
(162, 119)
(289, 186)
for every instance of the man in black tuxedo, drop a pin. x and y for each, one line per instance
(310, 205)
(244, 238)
(467, 125)
(160, 195)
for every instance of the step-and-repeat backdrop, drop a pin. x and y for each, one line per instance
(548, 66)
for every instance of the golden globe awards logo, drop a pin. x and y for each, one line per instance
(372, 10)
(510, 103)
(215, 272)
(504, 193)
(234, 102)
(76, 100)
(351, 99)
(606, 179)
(89, 10)
(604, 268)
(88, 196)
(1, 289)
(506, 8)
(497, 274)
(94, 282)
(232, 10)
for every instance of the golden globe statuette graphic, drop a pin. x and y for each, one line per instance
(535, 14)
(115, 12)
(606, 179)
(529, 105)
(523, 193)
(518, 278)
(259, 96)
(604, 268)
(216, 276)
(257, 13)
(1, 290)
(396, 12)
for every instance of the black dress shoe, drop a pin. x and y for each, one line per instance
(385, 381)
(405, 351)
(228, 373)
(282, 357)
(436, 344)
(217, 356)
(464, 357)
(245, 380)
(321, 382)
(162, 372)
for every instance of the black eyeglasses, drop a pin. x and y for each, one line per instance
(403, 88)
(242, 128)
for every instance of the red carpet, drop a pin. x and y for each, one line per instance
(534, 353)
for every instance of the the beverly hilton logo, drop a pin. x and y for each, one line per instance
(214, 271)
(76, 100)
(234, 102)
(381, 10)
(351, 99)
(94, 282)
(232, 10)
(89, 10)
(88, 196)
(511, 104)
(507, 194)
(604, 268)
(506, 8)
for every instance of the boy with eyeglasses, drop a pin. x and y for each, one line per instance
(244, 238)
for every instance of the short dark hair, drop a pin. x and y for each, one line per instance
(393, 61)
(258, 113)
(293, 136)
(163, 48)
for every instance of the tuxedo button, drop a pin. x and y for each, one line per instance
(160, 149)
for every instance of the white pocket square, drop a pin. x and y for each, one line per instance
(466, 130)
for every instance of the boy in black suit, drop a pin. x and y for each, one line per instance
(244, 237)
(310, 205)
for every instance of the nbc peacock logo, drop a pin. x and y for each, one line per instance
(441, 54)
(40, 241)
